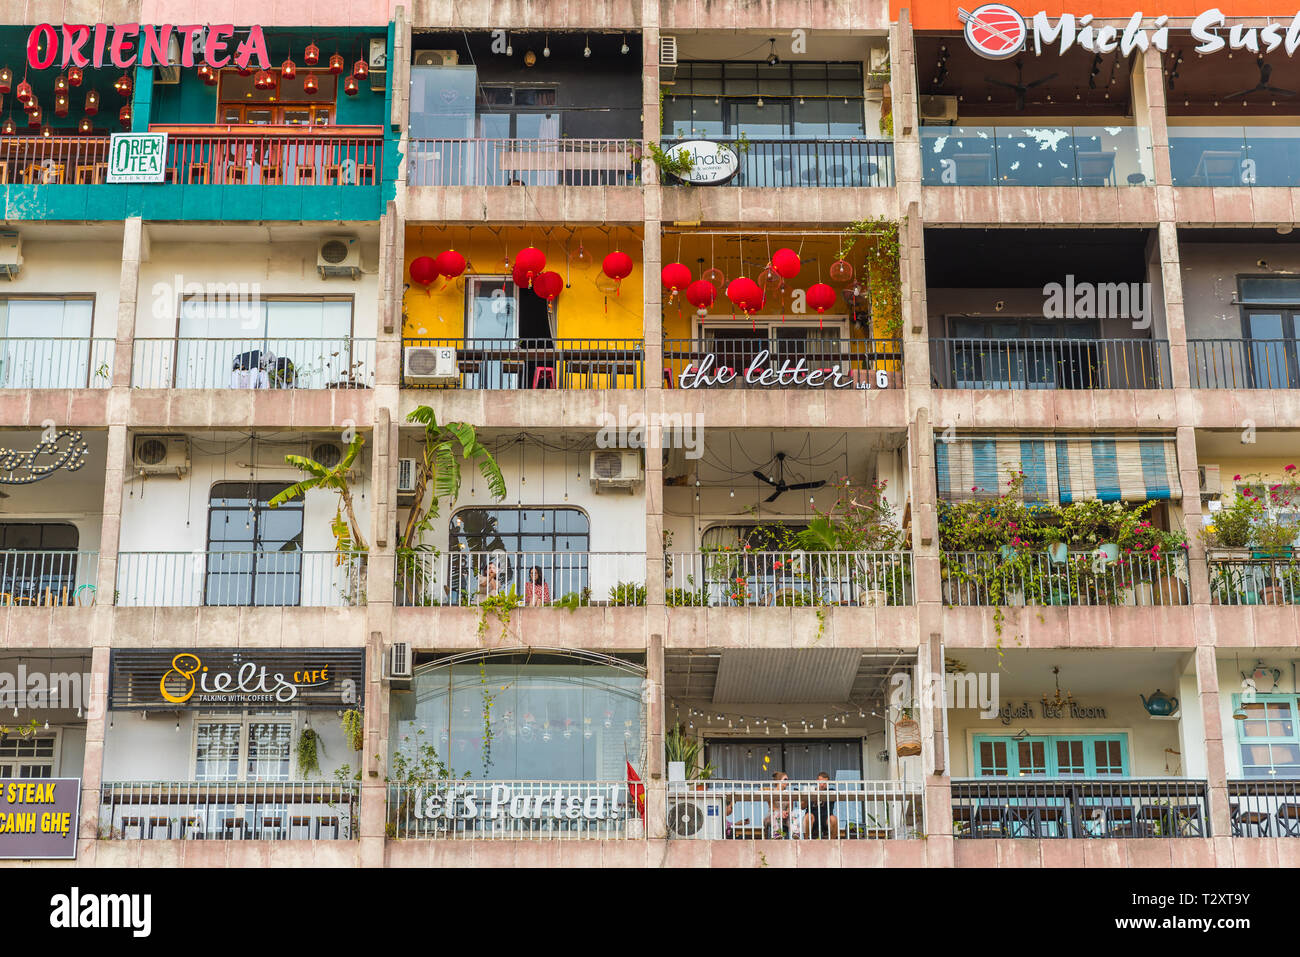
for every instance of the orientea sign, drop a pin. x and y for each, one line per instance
(137, 158)
(143, 44)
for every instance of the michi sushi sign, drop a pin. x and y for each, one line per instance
(38, 818)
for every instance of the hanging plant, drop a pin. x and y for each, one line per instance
(884, 282)
(354, 728)
(309, 751)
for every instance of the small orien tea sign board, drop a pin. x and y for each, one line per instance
(38, 818)
(137, 158)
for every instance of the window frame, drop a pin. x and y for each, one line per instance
(53, 734)
(245, 719)
(1051, 765)
(257, 507)
(1294, 739)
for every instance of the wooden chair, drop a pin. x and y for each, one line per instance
(4, 173)
(366, 174)
(199, 173)
(101, 172)
(236, 174)
(85, 175)
(304, 175)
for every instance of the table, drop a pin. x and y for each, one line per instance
(1218, 167)
(1096, 166)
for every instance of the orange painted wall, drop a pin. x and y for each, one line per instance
(942, 14)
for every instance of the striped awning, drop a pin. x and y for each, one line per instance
(1059, 470)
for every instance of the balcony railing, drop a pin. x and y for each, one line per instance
(1234, 155)
(55, 579)
(812, 363)
(258, 156)
(1050, 363)
(228, 811)
(1255, 581)
(255, 363)
(808, 810)
(568, 579)
(528, 363)
(986, 578)
(60, 160)
(1037, 154)
(467, 810)
(1123, 807)
(523, 162)
(1244, 363)
(810, 162)
(739, 577)
(243, 578)
(56, 363)
(1269, 808)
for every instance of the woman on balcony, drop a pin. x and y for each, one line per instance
(537, 593)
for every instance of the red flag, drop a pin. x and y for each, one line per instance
(636, 790)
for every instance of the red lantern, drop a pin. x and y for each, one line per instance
(31, 106)
(92, 102)
(74, 78)
(675, 276)
(7, 79)
(360, 70)
(820, 296)
(840, 271)
(288, 70)
(521, 278)
(549, 285)
(8, 127)
(207, 74)
(350, 86)
(785, 262)
(47, 131)
(84, 125)
(701, 294)
(311, 56)
(60, 84)
(310, 84)
(617, 266)
(124, 117)
(745, 294)
(450, 264)
(423, 271)
(34, 118)
(60, 104)
(24, 93)
(265, 80)
(529, 262)
(123, 84)
(336, 64)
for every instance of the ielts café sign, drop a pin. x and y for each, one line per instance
(144, 44)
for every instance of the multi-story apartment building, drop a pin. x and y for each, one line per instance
(876, 429)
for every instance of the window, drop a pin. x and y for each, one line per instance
(994, 354)
(234, 342)
(750, 759)
(255, 551)
(47, 345)
(738, 346)
(1051, 756)
(243, 747)
(504, 545)
(31, 579)
(1268, 738)
(285, 104)
(28, 756)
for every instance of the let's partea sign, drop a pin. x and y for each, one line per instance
(137, 158)
(38, 818)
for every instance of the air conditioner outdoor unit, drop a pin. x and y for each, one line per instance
(695, 817)
(615, 468)
(878, 58)
(378, 63)
(667, 58)
(437, 58)
(938, 109)
(161, 454)
(339, 256)
(430, 365)
(406, 476)
(398, 670)
(1211, 481)
(11, 254)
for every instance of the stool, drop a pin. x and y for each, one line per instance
(365, 173)
(198, 173)
(305, 175)
(272, 174)
(85, 175)
(668, 378)
(544, 371)
(236, 174)
(4, 173)
(333, 175)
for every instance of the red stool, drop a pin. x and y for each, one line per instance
(668, 378)
(548, 372)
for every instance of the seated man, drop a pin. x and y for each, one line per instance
(818, 821)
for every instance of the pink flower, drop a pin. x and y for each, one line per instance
(1236, 478)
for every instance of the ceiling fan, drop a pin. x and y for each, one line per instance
(1020, 86)
(1263, 86)
(779, 482)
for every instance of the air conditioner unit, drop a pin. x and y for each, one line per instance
(11, 254)
(430, 365)
(161, 454)
(339, 256)
(615, 468)
(437, 58)
(398, 666)
(1211, 481)
(938, 109)
(695, 817)
(878, 58)
(667, 58)
(378, 63)
(406, 476)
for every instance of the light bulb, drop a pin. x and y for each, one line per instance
(624, 48)
(586, 47)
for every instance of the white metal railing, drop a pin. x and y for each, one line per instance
(56, 363)
(254, 363)
(524, 162)
(228, 810)
(569, 579)
(738, 576)
(51, 579)
(1255, 581)
(467, 810)
(807, 810)
(1081, 578)
(316, 579)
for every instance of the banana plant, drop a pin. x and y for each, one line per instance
(347, 532)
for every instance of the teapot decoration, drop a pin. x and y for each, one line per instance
(1265, 679)
(1159, 705)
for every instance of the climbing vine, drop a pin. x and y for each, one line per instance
(884, 281)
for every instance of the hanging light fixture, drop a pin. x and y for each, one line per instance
(60, 84)
(336, 64)
(624, 49)
(288, 69)
(6, 79)
(772, 58)
(34, 118)
(31, 106)
(350, 86)
(84, 125)
(8, 127)
(311, 56)
(123, 84)
(265, 80)
(1057, 701)
(124, 116)
(60, 104)
(546, 50)
(207, 74)
(74, 76)
(92, 102)
(360, 69)
(310, 84)
(47, 131)
(24, 92)
(586, 46)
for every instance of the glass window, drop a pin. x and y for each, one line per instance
(1268, 737)
(495, 549)
(1051, 756)
(243, 747)
(216, 754)
(28, 755)
(992, 758)
(46, 343)
(1270, 289)
(256, 551)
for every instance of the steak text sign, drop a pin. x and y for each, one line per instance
(137, 158)
(38, 818)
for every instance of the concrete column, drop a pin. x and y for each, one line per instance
(1153, 114)
(110, 527)
(373, 759)
(92, 772)
(652, 323)
(1171, 280)
(656, 792)
(1189, 481)
(134, 251)
(932, 716)
(1207, 686)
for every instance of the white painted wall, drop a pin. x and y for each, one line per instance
(73, 269)
(1230, 683)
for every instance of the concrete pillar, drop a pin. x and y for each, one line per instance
(110, 527)
(92, 772)
(652, 323)
(656, 790)
(1189, 481)
(134, 250)
(935, 781)
(374, 759)
(1171, 280)
(1207, 686)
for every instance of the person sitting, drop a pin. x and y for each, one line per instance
(818, 821)
(536, 592)
(779, 824)
(489, 583)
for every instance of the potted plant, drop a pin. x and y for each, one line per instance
(682, 748)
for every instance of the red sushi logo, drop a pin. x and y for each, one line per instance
(994, 30)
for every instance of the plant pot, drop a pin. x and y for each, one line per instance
(1007, 552)
(1144, 593)
(876, 597)
(1109, 551)
(1058, 552)
(907, 738)
(1273, 595)
(1228, 554)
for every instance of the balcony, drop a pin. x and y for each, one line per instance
(742, 578)
(1243, 363)
(255, 363)
(984, 578)
(48, 579)
(53, 161)
(1050, 364)
(783, 363)
(511, 364)
(228, 811)
(524, 162)
(1045, 155)
(567, 579)
(1234, 155)
(1264, 808)
(56, 363)
(807, 810)
(810, 162)
(234, 578)
(1254, 581)
(1128, 808)
(515, 810)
